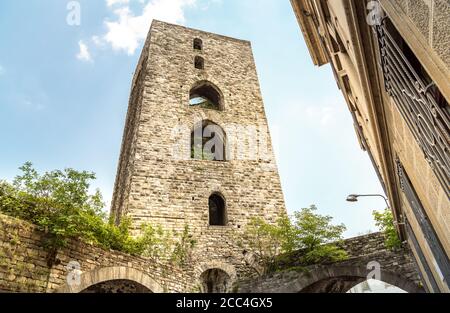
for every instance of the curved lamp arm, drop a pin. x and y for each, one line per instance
(354, 198)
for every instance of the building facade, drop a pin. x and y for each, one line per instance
(196, 148)
(391, 59)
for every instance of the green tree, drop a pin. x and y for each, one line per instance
(265, 242)
(317, 236)
(60, 204)
(312, 234)
(182, 252)
(385, 222)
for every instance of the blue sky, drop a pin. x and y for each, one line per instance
(64, 92)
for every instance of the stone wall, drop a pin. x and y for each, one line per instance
(365, 253)
(23, 265)
(432, 20)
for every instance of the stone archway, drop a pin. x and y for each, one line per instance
(340, 279)
(105, 278)
(117, 286)
(216, 277)
(215, 281)
(340, 284)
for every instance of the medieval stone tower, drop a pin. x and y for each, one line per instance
(196, 148)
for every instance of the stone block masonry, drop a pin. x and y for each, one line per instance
(23, 265)
(154, 185)
(367, 258)
(23, 268)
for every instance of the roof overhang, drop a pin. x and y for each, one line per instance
(304, 12)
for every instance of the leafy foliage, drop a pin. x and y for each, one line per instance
(158, 244)
(182, 253)
(308, 232)
(265, 242)
(385, 221)
(60, 204)
(316, 236)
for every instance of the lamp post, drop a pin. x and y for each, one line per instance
(354, 198)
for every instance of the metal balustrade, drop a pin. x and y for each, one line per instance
(427, 116)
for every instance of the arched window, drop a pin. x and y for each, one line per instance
(199, 63)
(217, 212)
(205, 95)
(208, 142)
(198, 44)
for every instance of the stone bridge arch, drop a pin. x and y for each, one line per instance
(112, 274)
(325, 279)
(365, 254)
(340, 279)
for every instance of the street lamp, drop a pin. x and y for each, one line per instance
(354, 198)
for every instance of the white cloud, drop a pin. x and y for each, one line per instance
(128, 30)
(84, 54)
(110, 3)
(326, 112)
(131, 21)
(205, 6)
(325, 115)
(30, 105)
(97, 40)
(2, 70)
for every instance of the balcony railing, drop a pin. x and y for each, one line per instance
(418, 101)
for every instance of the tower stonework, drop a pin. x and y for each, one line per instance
(160, 181)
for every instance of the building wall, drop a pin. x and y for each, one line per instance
(431, 19)
(430, 192)
(384, 132)
(427, 24)
(154, 184)
(424, 24)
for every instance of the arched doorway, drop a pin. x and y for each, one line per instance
(215, 281)
(110, 279)
(117, 286)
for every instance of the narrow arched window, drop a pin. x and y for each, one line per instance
(199, 63)
(208, 142)
(198, 44)
(205, 95)
(217, 211)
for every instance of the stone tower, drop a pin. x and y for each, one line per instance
(196, 148)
